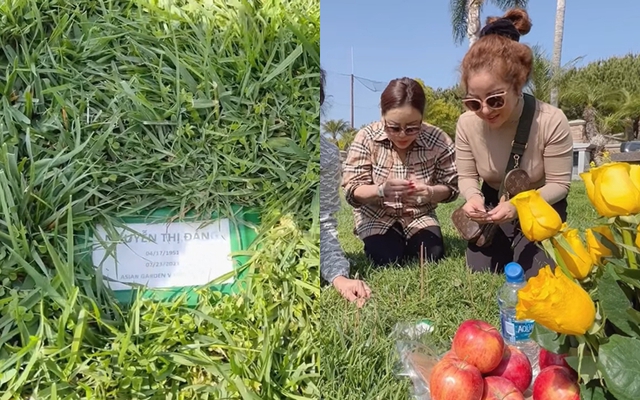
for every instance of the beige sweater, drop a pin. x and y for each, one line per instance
(482, 152)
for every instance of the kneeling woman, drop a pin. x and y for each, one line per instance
(396, 172)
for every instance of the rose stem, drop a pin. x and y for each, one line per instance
(627, 238)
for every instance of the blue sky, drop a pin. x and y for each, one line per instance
(392, 39)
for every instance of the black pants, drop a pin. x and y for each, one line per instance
(393, 246)
(509, 244)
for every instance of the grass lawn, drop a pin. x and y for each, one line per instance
(357, 357)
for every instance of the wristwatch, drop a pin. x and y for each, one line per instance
(381, 192)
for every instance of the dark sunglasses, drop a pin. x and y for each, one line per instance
(495, 102)
(395, 130)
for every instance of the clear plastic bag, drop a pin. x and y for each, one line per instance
(416, 357)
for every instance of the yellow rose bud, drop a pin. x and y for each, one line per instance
(634, 174)
(556, 302)
(597, 249)
(589, 186)
(578, 262)
(538, 220)
(611, 190)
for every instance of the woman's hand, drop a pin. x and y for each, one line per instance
(353, 290)
(396, 188)
(475, 209)
(504, 212)
(421, 195)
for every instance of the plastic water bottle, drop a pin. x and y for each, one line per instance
(516, 332)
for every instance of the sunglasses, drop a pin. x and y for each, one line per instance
(396, 130)
(494, 102)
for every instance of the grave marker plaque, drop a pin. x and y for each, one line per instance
(172, 258)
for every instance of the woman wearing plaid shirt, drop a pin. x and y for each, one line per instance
(396, 173)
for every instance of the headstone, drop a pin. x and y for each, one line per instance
(632, 157)
(581, 152)
(168, 257)
(578, 131)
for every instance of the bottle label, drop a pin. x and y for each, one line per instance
(514, 330)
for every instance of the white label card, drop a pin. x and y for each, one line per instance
(166, 255)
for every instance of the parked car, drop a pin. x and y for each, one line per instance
(626, 147)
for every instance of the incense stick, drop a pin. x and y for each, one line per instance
(470, 285)
(426, 279)
(421, 271)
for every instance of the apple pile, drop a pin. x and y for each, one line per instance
(556, 380)
(481, 366)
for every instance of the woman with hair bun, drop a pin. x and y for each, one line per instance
(494, 73)
(396, 172)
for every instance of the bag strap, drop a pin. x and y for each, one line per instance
(519, 144)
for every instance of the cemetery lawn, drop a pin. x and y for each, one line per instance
(357, 357)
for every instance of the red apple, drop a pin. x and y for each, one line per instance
(548, 358)
(449, 355)
(515, 367)
(455, 380)
(556, 383)
(498, 388)
(479, 344)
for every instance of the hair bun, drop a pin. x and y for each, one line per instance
(520, 19)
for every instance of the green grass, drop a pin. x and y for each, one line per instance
(358, 360)
(110, 108)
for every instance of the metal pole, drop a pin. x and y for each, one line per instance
(352, 102)
(352, 80)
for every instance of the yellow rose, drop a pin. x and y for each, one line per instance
(556, 302)
(589, 186)
(634, 174)
(611, 189)
(596, 249)
(538, 220)
(578, 262)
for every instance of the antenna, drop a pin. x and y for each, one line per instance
(352, 79)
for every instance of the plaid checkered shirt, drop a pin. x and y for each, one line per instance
(371, 159)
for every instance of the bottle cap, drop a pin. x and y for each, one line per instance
(514, 273)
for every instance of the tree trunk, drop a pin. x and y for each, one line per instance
(557, 50)
(473, 20)
(589, 116)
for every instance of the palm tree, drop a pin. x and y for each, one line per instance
(601, 111)
(541, 74)
(346, 139)
(630, 107)
(335, 128)
(543, 77)
(595, 102)
(557, 48)
(465, 16)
